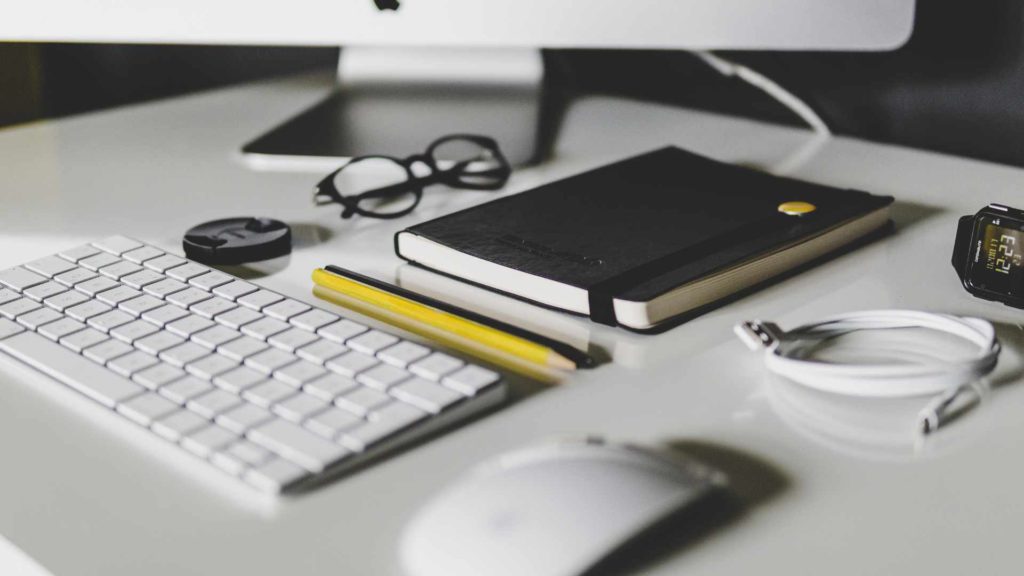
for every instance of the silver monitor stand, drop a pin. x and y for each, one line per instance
(396, 101)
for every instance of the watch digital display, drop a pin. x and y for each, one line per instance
(997, 256)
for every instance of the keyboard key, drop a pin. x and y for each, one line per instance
(425, 395)
(243, 418)
(79, 252)
(382, 376)
(267, 394)
(206, 441)
(238, 456)
(45, 290)
(265, 328)
(299, 407)
(107, 351)
(96, 285)
(238, 317)
(341, 331)
(120, 269)
(163, 263)
(270, 360)
(50, 266)
(188, 297)
(37, 318)
(362, 400)
(297, 445)
(140, 280)
(71, 369)
(164, 315)
(159, 375)
(259, 299)
(133, 331)
(15, 308)
(19, 279)
(403, 354)
(274, 476)
(131, 363)
(212, 307)
(146, 408)
(330, 386)
(8, 295)
(210, 280)
(435, 366)
(115, 296)
(292, 339)
(61, 328)
(189, 325)
(239, 379)
(75, 276)
(164, 288)
(352, 363)
(83, 339)
(371, 342)
(314, 320)
(61, 302)
(210, 366)
(141, 305)
(181, 391)
(177, 424)
(184, 354)
(117, 245)
(88, 310)
(471, 380)
(286, 309)
(215, 336)
(321, 351)
(234, 290)
(386, 422)
(9, 328)
(186, 271)
(212, 403)
(298, 373)
(110, 320)
(242, 348)
(140, 255)
(98, 261)
(332, 422)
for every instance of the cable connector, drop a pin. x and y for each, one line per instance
(758, 335)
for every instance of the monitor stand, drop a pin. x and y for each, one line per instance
(396, 101)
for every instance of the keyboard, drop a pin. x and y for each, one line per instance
(275, 392)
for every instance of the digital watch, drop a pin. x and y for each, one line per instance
(987, 254)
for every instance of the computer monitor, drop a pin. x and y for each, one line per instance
(413, 70)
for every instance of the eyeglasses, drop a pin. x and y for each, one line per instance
(391, 188)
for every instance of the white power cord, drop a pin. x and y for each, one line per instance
(919, 376)
(730, 69)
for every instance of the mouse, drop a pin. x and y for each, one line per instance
(555, 509)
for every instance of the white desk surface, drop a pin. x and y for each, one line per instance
(832, 486)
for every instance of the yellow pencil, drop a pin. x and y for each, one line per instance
(485, 335)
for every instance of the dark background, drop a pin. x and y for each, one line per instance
(955, 87)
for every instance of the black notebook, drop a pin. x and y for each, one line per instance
(638, 242)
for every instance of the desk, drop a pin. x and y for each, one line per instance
(843, 490)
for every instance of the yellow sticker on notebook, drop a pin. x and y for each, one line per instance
(797, 208)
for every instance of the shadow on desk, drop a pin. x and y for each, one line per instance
(752, 482)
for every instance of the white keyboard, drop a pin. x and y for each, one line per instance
(266, 388)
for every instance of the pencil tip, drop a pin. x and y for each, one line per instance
(558, 361)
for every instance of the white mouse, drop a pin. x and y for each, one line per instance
(552, 510)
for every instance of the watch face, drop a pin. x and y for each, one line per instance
(996, 254)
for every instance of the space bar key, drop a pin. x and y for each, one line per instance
(69, 368)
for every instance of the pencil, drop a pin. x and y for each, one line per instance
(398, 301)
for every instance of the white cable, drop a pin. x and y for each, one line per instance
(729, 68)
(918, 377)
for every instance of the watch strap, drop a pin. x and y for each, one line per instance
(961, 247)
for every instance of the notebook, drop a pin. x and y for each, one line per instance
(639, 242)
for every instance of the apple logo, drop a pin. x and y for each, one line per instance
(386, 4)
